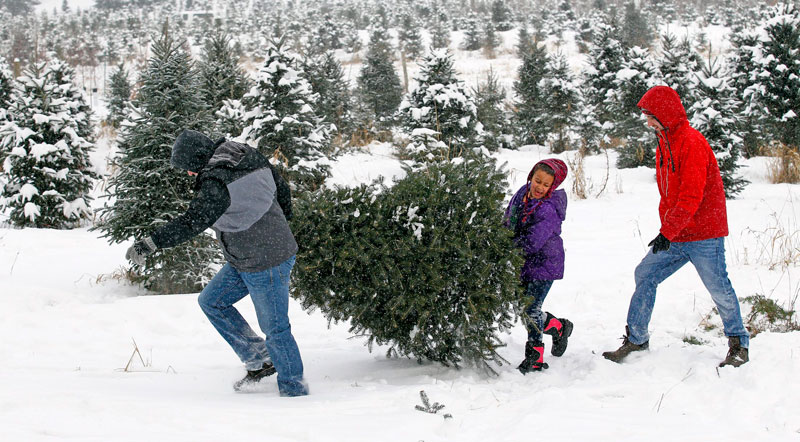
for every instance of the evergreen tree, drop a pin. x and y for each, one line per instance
(780, 71)
(146, 190)
(46, 170)
(334, 103)
(638, 74)
(679, 62)
(221, 77)
(714, 115)
(529, 116)
(281, 120)
(6, 93)
(410, 37)
(501, 16)
(422, 266)
(743, 71)
(561, 104)
(19, 7)
(635, 29)
(119, 97)
(440, 35)
(440, 103)
(473, 40)
(599, 84)
(378, 85)
(490, 99)
(525, 42)
(491, 40)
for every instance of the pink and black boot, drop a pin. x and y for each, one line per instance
(560, 329)
(534, 358)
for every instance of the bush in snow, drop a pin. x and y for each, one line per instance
(46, 170)
(442, 104)
(146, 191)
(280, 120)
(424, 266)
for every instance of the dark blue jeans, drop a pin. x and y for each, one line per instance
(269, 291)
(708, 258)
(536, 290)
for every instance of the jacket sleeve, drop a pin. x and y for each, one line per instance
(691, 184)
(545, 227)
(211, 202)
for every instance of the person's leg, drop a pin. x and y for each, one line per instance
(651, 271)
(216, 300)
(708, 258)
(536, 291)
(269, 291)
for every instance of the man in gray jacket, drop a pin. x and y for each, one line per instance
(236, 197)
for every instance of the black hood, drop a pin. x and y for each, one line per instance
(191, 151)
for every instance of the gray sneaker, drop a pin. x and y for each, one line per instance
(627, 348)
(737, 355)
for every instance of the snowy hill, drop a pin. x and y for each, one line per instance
(69, 324)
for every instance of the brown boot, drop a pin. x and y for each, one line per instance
(627, 348)
(737, 355)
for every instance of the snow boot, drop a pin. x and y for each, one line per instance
(627, 348)
(534, 355)
(737, 355)
(254, 376)
(560, 329)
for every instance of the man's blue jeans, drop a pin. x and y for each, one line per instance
(708, 258)
(269, 291)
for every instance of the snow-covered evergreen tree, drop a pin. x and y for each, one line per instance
(222, 78)
(638, 74)
(491, 40)
(46, 170)
(119, 96)
(146, 190)
(490, 99)
(714, 115)
(501, 16)
(529, 115)
(473, 38)
(679, 62)
(599, 84)
(525, 42)
(743, 70)
(636, 30)
(410, 37)
(440, 34)
(562, 105)
(280, 120)
(334, 102)
(6, 91)
(441, 103)
(379, 86)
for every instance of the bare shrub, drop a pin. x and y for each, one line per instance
(784, 167)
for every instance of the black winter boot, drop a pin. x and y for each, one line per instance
(534, 356)
(627, 348)
(254, 376)
(560, 329)
(737, 355)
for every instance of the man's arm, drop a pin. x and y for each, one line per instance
(691, 185)
(210, 203)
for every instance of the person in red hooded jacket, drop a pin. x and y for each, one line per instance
(693, 226)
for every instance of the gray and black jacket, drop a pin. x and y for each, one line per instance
(236, 197)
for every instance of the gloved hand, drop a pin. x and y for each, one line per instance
(660, 243)
(139, 250)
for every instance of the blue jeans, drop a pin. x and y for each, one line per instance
(536, 290)
(708, 258)
(269, 291)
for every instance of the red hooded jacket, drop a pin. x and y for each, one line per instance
(692, 206)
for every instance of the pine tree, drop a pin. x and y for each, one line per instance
(635, 29)
(146, 191)
(423, 266)
(491, 40)
(119, 97)
(47, 170)
(525, 43)
(714, 115)
(440, 103)
(530, 100)
(334, 103)
(780, 72)
(281, 120)
(561, 104)
(221, 77)
(501, 16)
(606, 56)
(743, 71)
(6, 89)
(378, 85)
(19, 7)
(440, 34)
(473, 40)
(410, 37)
(490, 99)
(638, 74)
(679, 62)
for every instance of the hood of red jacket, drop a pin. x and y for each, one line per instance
(665, 104)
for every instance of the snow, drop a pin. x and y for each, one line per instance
(74, 322)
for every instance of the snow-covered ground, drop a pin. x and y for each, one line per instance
(68, 326)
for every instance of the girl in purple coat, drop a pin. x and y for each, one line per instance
(535, 213)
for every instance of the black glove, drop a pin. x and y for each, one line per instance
(660, 243)
(139, 250)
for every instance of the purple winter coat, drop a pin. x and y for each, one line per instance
(540, 235)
